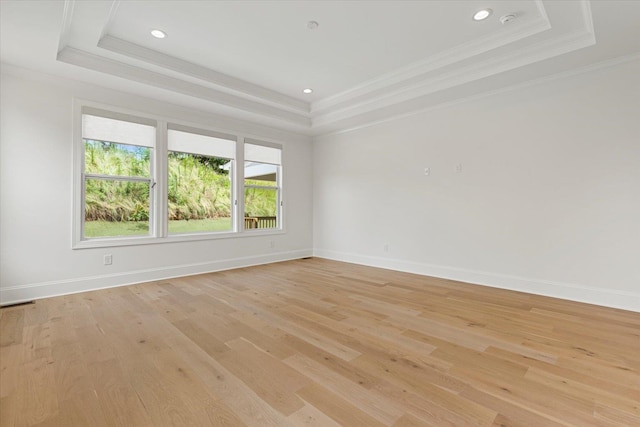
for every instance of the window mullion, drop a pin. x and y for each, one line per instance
(239, 185)
(161, 164)
(279, 197)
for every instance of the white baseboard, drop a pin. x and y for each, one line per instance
(22, 293)
(605, 297)
(591, 295)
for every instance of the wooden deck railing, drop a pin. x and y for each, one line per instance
(257, 222)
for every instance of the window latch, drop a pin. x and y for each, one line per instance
(153, 185)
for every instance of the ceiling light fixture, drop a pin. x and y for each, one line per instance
(312, 25)
(159, 34)
(307, 90)
(482, 14)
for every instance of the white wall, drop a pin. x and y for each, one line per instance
(36, 258)
(548, 201)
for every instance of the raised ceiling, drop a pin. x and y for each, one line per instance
(367, 61)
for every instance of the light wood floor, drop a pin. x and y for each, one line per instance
(319, 343)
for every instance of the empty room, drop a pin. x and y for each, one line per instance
(320, 213)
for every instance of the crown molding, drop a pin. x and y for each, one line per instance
(113, 10)
(67, 19)
(101, 64)
(362, 109)
(388, 96)
(421, 68)
(411, 89)
(224, 81)
(346, 128)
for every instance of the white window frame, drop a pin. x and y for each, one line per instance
(199, 131)
(278, 188)
(158, 213)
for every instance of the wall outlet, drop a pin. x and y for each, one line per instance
(427, 171)
(108, 259)
(272, 244)
(385, 247)
(458, 168)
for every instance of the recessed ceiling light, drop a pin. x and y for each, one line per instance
(159, 34)
(482, 14)
(307, 90)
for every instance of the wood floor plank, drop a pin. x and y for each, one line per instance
(71, 374)
(370, 403)
(228, 390)
(408, 420)
(82, 410)
(310, 416)
(38, 387)
(340, 410)
(12, 326)
(276, 385)
(119, 402)
(315, 342)
(11, 362)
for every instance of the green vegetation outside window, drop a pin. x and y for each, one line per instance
(116, 177)
(199, 183)
(141, 180)
(262, 198)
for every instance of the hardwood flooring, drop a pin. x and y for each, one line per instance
(317, 343)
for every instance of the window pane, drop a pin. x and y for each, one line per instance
(108, 158)
(261, 208)
(116, 208)
(199, 193)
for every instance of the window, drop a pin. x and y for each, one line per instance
(117, 176)
(261, 186)
(141, 180)
(199, 191)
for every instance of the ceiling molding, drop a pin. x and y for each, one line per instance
(393, 94)
(587, 17)
(113, 10)
(486, 94)
(101, 64)
(542, 11)
(226, 82)
(457, 54)
(421, 79)
(67, 19)
(408, 90)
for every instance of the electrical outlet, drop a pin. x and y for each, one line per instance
(458, 168)
(108, 259)
(385, 247)
(272, 244)
(427, 171)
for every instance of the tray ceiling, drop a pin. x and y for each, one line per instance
(366, 61)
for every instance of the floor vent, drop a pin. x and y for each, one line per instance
(15, 304)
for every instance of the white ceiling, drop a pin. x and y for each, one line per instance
(367, 61)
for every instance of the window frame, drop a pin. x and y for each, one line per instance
(277, 187)
(203, 132)
(158, 212)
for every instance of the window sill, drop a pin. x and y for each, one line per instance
(176, 238)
